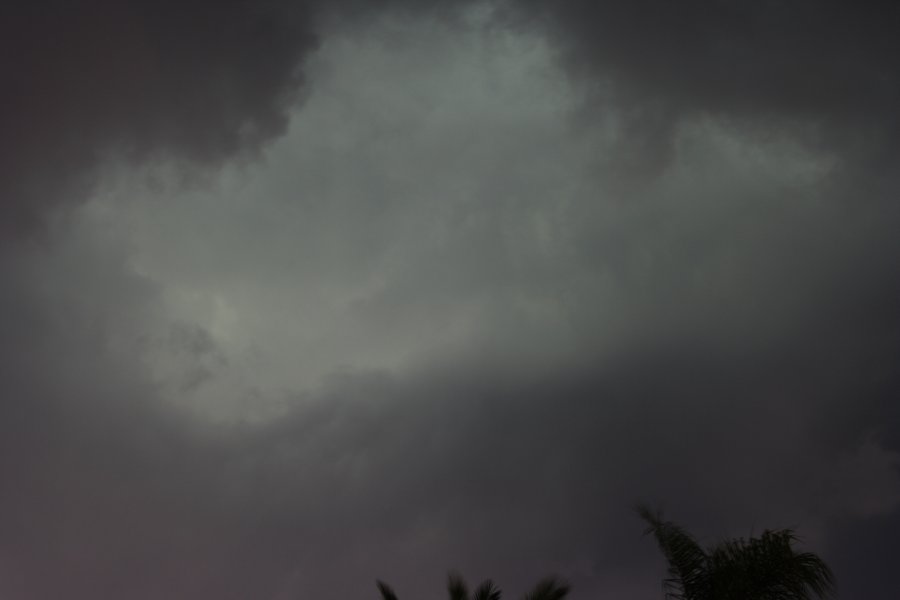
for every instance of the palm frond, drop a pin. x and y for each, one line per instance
(811, 573)
(386, 592)
(688, 572)
(487, 591)
(768, 568)
(549, 588)
(781, 572)
(456, 586)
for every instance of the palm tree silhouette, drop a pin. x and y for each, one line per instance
(458, 590)
(763, 568)
(549, 588)
(386, 592)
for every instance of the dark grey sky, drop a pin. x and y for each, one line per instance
(297, 295)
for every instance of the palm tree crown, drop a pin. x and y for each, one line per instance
(759, 568)
(549, 588)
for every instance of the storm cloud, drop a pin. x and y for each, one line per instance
(297, 295)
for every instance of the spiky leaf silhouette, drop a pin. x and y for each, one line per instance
(687, 561)
(386, 592)
(456, 586)
(549, 588)
(487, 591)
(763, 568)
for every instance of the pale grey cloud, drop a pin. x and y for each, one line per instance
(471, 305)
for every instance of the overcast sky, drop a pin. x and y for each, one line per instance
(297, 295)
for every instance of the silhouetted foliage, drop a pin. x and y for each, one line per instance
(487, 591)
(386, 592)
(549, 588)
(763, 568)
(456, 587)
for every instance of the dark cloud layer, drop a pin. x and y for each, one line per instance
(715, 333)
(827, 70)
(199, 80)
